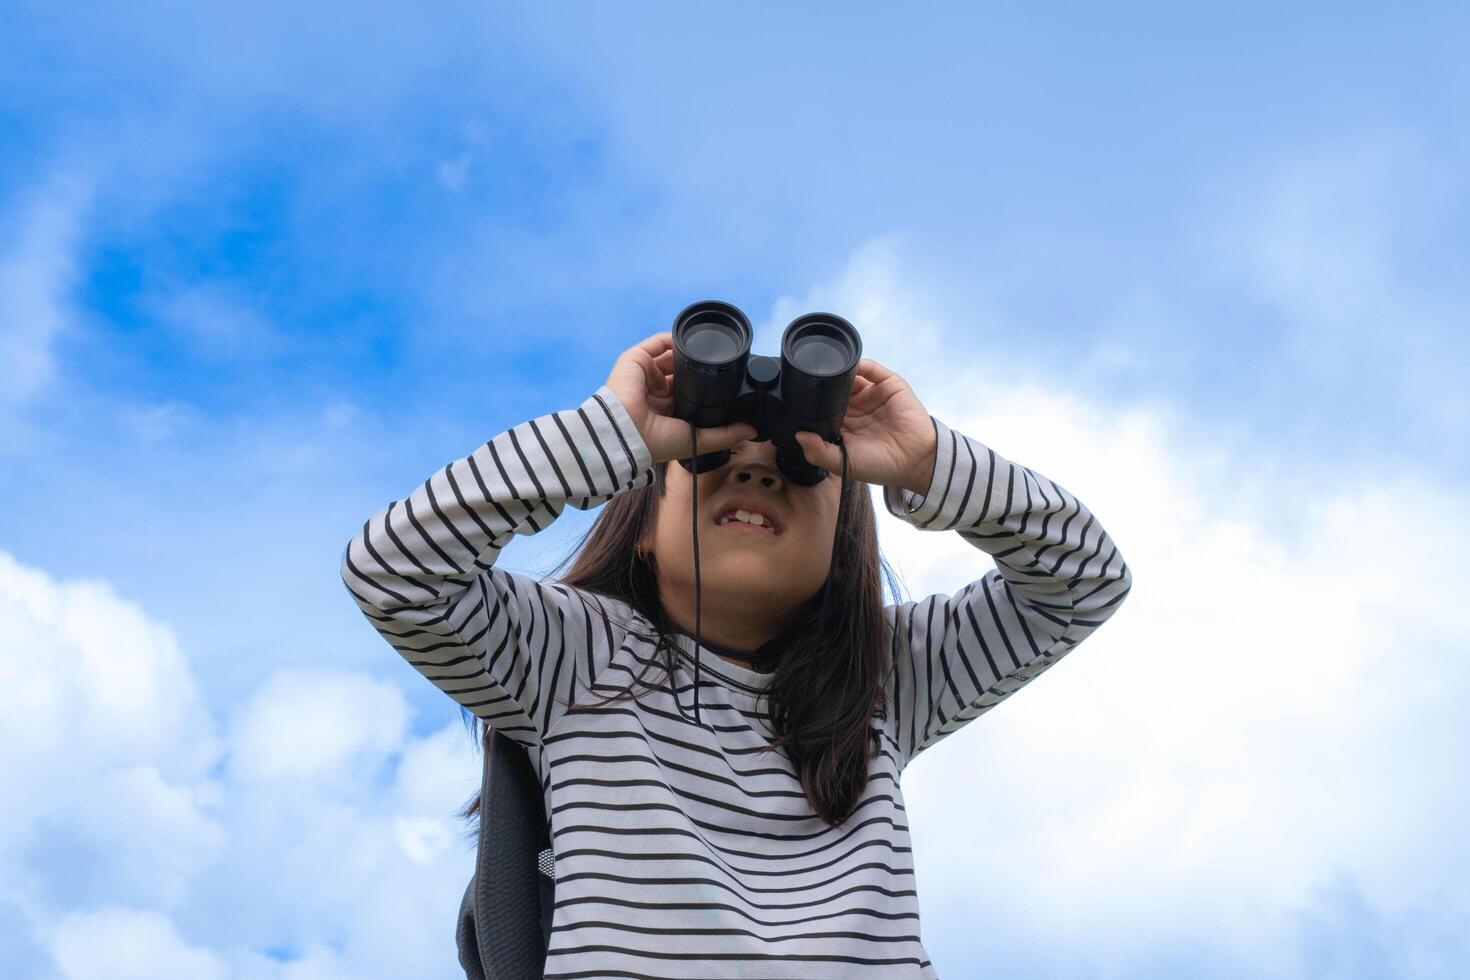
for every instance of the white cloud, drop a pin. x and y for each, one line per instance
(36, 272)
(216, 324)
(436, 777)
(129, 944)
(82, 663)
(316, 724)
(1355, 246)
(139, 839)
(874, 292)
(1268, 716)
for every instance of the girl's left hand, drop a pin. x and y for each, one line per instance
(889, 437)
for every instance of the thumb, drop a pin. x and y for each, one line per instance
(818, 451)
(719, 437)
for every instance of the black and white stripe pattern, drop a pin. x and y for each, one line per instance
(504, 646)
(1058, 576)
(680, 850)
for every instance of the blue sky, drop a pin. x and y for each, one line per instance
(263, 270)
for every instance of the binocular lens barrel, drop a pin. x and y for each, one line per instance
(820, 353)
(711, 346)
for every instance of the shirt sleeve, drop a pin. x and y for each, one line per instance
(1057, 577)
(503, 645)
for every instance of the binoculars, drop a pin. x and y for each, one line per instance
(718, 382)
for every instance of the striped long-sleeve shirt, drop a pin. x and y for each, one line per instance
(679, 851)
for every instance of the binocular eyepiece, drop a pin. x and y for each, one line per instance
(718, 382)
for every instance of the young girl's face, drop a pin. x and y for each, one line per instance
(757, 576)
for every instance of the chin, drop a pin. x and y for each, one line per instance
(734, 571)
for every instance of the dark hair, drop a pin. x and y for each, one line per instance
(828, 684)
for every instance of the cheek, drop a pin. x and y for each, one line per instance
(673, 526)
(819, 525)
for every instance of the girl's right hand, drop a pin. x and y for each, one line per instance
(643, 380)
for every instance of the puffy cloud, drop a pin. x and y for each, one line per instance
(82, 664)
(108, 745)
(129, 944)
(308, 838)
(317, 724)
(436, 776)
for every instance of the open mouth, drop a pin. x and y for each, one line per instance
(749, 521)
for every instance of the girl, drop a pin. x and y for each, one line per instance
(767, 836)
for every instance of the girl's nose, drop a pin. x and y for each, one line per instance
(758, 470)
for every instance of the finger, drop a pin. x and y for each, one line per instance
(654, 376)
(814, 448)
(862, 396)
(719, 437)
(873, 371)
(656, 344)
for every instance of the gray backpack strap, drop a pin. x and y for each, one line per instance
(465, 935)
(503, 927)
